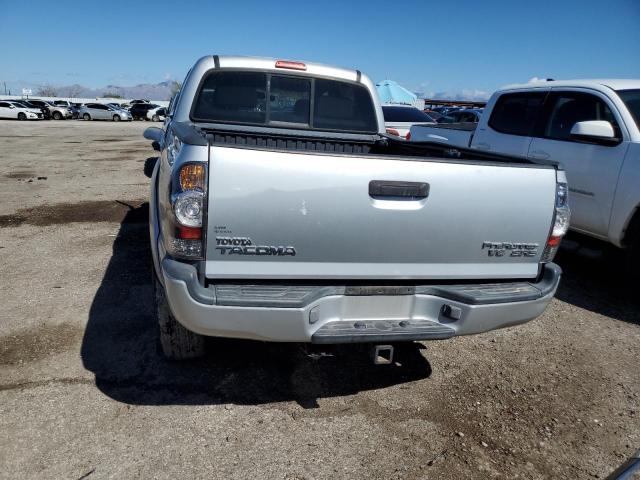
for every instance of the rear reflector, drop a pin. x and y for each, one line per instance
(189, 233)
(393, 131)
(290, 65)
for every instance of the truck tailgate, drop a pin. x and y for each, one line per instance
(304, 215)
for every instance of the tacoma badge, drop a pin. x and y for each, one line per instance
(244, 246)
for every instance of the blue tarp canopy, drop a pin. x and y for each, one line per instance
(390, 92)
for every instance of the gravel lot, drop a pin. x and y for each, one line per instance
(84, 392)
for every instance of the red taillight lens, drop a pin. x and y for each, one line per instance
(290, 65)
(554, 241)
(189, 233)
(408, 137)
(393, 131)
(561, 218)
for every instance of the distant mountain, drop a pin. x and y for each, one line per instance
(462, 95)
(151, 91)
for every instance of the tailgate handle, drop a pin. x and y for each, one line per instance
(390, 188)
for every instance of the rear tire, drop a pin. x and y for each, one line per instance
(177, 342)
(116, 118)
(57, 116)
(155, 118)
(86, 116)
(22, 116)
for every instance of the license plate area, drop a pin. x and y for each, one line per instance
(359, 290)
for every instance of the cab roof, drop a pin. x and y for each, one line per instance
(612, 83)
(267, 63)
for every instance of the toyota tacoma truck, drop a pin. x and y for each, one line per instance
(280, 210)
(591, 127)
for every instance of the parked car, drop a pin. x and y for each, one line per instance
(65, 103)
(133, 102)
(117, 106)
(156, 114)
(281, 210)
(445, 110)
(100, 111)
(139, 110)
(57, 112)
(471, 115)
(433, 114)
(399, 118)
(592, 127)
(18, 111)
(28, 104)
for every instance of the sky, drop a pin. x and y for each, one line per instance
(446, 48)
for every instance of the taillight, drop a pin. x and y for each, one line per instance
(393, 131)
(187, 201)
(408, 137)
(561, 218)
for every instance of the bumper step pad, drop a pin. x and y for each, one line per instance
(360, 331)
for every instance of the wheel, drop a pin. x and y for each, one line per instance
(57, 116)
(22, 116)
(177, 342)
(86, 116)
(116, 118)
(155, 118)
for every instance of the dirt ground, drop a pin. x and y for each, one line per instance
(84, 392)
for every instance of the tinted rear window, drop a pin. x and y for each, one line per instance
(289, 100)
(405, 114)
(257, 98)
(516, 113)
(343, 106)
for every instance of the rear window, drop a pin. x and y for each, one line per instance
(257, 98)
(405, 114)
(516, 113)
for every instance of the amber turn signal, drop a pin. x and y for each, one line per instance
(192, 177)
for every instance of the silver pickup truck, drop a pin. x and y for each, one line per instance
(281, 211)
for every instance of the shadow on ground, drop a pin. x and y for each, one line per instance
(594, 278)
(120, 347)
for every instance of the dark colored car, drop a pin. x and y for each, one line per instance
(139, 110)
(462, 116)
(445, 110)
(433, 114)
